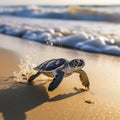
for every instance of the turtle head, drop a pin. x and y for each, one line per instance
(77, 63)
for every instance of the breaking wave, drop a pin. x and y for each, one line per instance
(68, 12)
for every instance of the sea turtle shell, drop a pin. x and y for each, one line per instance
(50, 65)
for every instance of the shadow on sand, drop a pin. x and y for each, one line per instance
(18, 99)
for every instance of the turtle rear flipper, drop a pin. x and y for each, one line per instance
(56, 81)
(84, 78)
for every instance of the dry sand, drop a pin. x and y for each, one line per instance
(23, 102)
(8, 62)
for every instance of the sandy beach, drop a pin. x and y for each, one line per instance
(9, 62)
(23, 102)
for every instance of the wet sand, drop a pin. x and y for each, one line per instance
(22, 102)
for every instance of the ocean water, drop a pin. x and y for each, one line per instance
(87, 28)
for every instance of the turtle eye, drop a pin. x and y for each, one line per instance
(81, 62)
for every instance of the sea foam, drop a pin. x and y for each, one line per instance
(81, 40)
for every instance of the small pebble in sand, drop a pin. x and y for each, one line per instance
(89, 101)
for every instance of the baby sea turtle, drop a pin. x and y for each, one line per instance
(59, 68)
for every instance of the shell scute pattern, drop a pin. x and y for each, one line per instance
(50, 65)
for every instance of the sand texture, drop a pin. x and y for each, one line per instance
(69, 101)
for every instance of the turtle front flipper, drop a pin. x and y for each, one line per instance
(84, 78)
(56, 81)
(33, 77)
